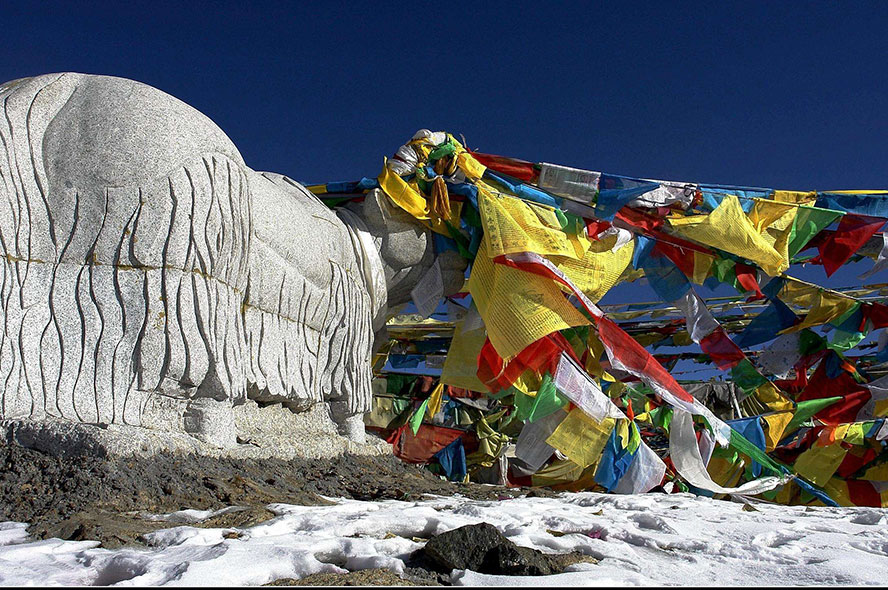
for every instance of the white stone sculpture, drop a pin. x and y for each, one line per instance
(151, 279)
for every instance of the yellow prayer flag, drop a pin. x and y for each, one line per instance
(512, 225)
(461, 363)
(856, 435)
(799, 292)
(581, 438)
(729, 229)
(528, 382)
(490, 443)
(631, 274)
(876, 473)
(518, 307)
(599, 269)
(682, 338)
(776, 424)
(827, 306)
(797, 197)
(563, 475)
(593, 359)
(623, 431)
(764, 213)
(472, 168)
(725, 473)
(775, 222)
(837, 489)
(702, 265)
(405, 196)
(818, 464)
(773, 398)
(435, 400)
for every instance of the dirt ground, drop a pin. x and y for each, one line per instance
(88, 498)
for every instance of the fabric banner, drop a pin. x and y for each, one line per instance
(685, 454)
(881, 260)
(531, 446)
(645, 473)
(581, 438)
(729, 229)
(571, 183)
(578, 387)
(852, 233)
(700, 322)
(518, 308)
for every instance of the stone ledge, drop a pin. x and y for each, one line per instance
(262, 432)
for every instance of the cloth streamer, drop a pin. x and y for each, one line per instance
(685, 454)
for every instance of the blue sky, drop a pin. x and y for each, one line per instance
(783, 94)
(776, 94)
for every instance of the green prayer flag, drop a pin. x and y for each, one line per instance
(634, 438)
(562, 219)
(546, 401)
(746, 376)
(809, 222)
(806, 409)
(844, 341)
(416, 418)
(398, 384)
(723, 270)
(809, 342)
(740, 443)
(661, 417)
(445, 149)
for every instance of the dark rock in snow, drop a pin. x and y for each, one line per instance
(482, 548)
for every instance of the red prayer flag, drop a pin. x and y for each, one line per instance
(595, 227)
(863, 493)
(683, 258)
(877, 313)
(516, 168)
(854, 394)
(633, 355)
(721, 349)
(852, 233)
(746, 278)
(540, 356)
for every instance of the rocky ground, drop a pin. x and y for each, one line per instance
(110, 499)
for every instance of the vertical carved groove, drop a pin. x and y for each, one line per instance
(168, 291)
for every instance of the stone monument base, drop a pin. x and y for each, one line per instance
(272, 431)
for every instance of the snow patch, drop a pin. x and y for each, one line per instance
(649, 540)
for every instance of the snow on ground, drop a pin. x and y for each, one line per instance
(651, 539)
(190, 516)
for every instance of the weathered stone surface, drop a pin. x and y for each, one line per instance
(151, 279)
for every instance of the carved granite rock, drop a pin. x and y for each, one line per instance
(151, 279)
